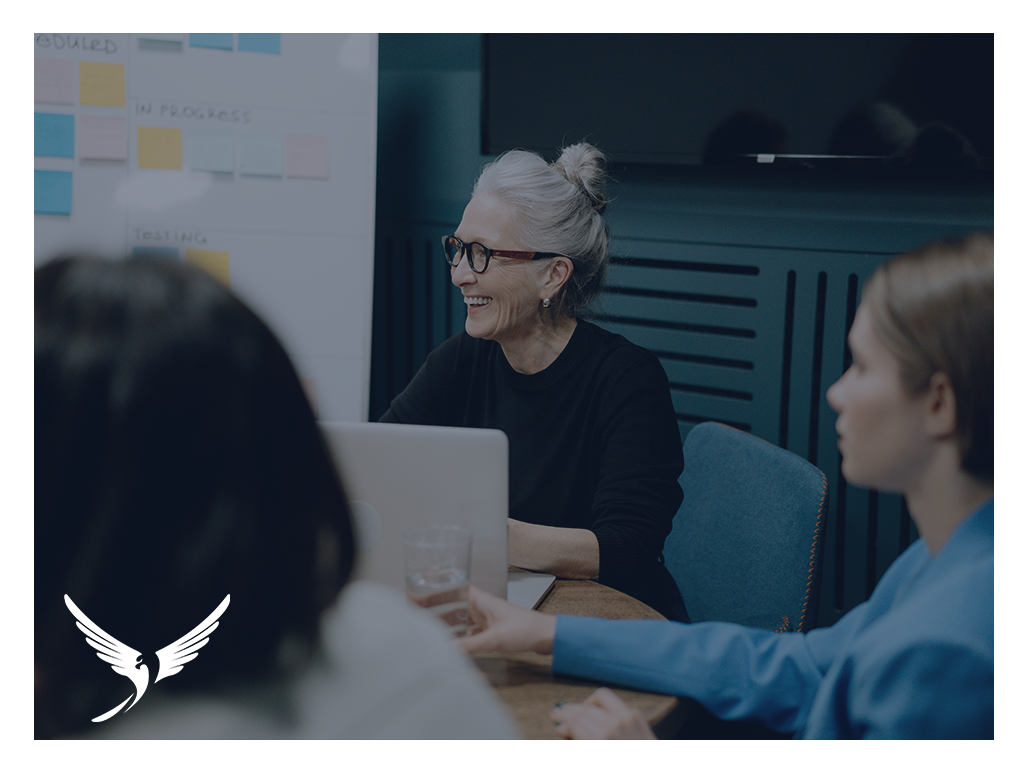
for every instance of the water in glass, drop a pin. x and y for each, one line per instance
(446, 593)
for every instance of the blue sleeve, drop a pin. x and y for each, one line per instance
(734, 671)
(925, 672)
(926, 691)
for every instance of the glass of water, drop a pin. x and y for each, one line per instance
(436, 565)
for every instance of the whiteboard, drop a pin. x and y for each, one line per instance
(250, 155)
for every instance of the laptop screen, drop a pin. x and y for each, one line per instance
(400, 476)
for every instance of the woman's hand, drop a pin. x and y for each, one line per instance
(505, 627)
(570, 553)
(602, 715)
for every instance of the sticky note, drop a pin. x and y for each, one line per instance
(261, 154)
(218, 40)
(159, 148)
(215, 263)
(162, 253)
(53, 192)
(261, 43)
(162, 37)
(159, 41)
(212, 150)
(55, 135)
(102, 83)
(307, 156)
(55, 81)
(104, 138)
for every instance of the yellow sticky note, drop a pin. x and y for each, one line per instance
(159, 148)
(215, 263)
(102, 83)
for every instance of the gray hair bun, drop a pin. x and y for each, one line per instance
(586, 167)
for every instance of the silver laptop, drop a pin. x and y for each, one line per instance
(400, 476)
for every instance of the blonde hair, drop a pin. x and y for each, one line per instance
(557, 208)
(933, 308)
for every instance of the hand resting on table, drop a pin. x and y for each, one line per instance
(504, 627)
(602, 715)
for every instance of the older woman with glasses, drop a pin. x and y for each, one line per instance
(593, 441)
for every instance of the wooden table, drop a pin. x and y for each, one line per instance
(526, 684)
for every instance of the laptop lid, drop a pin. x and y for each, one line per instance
(400, 476)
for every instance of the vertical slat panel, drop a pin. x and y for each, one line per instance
(771, 325)
(426, 328)
(400, 305)
(804, 333)
(443, 290)
(417, 303)
(413, 307)
(843, 523)
(787, 359)
(855, 546)
(402, 311)
(815, 385)
(382, 362)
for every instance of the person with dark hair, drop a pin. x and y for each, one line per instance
(594, 446)
(179, 471)
(916, 416)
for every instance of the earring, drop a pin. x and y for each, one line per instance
(547, 303)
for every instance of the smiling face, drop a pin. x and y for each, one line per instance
(503, 302)
(883, 433)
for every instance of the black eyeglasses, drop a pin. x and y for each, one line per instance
(479, 255)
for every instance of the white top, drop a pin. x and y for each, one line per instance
(388, 671)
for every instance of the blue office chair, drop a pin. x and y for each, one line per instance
(746, 544)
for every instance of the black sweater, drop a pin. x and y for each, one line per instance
(593, 443)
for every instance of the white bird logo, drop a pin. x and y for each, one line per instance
(128, 662)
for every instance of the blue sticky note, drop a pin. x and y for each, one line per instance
(259, 42)
(53, 192)
(161, 253)
(55, 135)
(218, 40)
(212, 150)
(261, 153)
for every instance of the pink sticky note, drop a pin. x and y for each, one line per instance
(104, 138)
(56, 82)
(307, 156)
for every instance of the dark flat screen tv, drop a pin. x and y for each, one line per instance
(820, 101)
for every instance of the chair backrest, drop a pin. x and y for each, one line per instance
(746, 544)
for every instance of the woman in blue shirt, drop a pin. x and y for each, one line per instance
(916, 416)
